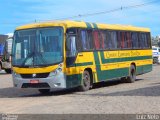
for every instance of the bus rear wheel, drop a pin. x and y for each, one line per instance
(132, 76)
(86, 81)
(44, 91)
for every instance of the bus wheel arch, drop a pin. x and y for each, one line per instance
(87, 80)
(132, 73)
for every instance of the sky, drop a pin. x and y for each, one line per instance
(14, 13)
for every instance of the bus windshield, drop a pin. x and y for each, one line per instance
(37, 47)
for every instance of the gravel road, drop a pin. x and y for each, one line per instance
(141, 97)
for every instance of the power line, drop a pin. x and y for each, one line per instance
(97, 13)
(109, 11)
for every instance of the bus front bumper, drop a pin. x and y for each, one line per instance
(53, 82)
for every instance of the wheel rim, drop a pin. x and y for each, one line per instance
(133, 73)
(86, 80)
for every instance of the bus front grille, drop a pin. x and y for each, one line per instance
(38, 75)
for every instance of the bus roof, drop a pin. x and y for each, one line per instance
(81, 24)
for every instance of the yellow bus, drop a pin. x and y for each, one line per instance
(67, 54)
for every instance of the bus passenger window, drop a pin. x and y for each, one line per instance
(114, 39)
(142, 38)
(145, 40)
(108, 40)
(134, 40)
(96, 40)
(103, 37)
(122, 40)
(86, 40)
(128, 39)
(104, 34)
(90, 40)
(118, 40)
(148, 40)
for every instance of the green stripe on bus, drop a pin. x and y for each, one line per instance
(84, 64)
(144, 69)
(81, 64)
(108, 74)
(97, 63)
(121, 72)
(113, 60)
(75, 80)
(114, 73)
(95, 25)
(89, 26)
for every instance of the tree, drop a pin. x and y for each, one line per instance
(156, 41)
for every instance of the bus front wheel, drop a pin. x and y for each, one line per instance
(86, 81)
(132, 76)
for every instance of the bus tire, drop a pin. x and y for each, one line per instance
(44, 91)
(8, 71)
(86, 81)
(132, 74)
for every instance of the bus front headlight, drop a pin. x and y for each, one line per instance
(55, 72)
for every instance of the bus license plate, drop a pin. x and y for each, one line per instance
(34, 81)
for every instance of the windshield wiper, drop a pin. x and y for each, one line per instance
(42, 58)
(34, 54)
(29, 56)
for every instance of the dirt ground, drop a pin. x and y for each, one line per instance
(141, 97)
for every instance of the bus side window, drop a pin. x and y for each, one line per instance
(83, 39)
(109, 42)
(86, 40)
(122, 40)
(134, 37)
(103, 39)
(141, 40)
(90, 40)
(148, 40)
(128, 39)
(118, 40)
(114, 40)
(96, 39)
(71, 46)
(145, 40)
